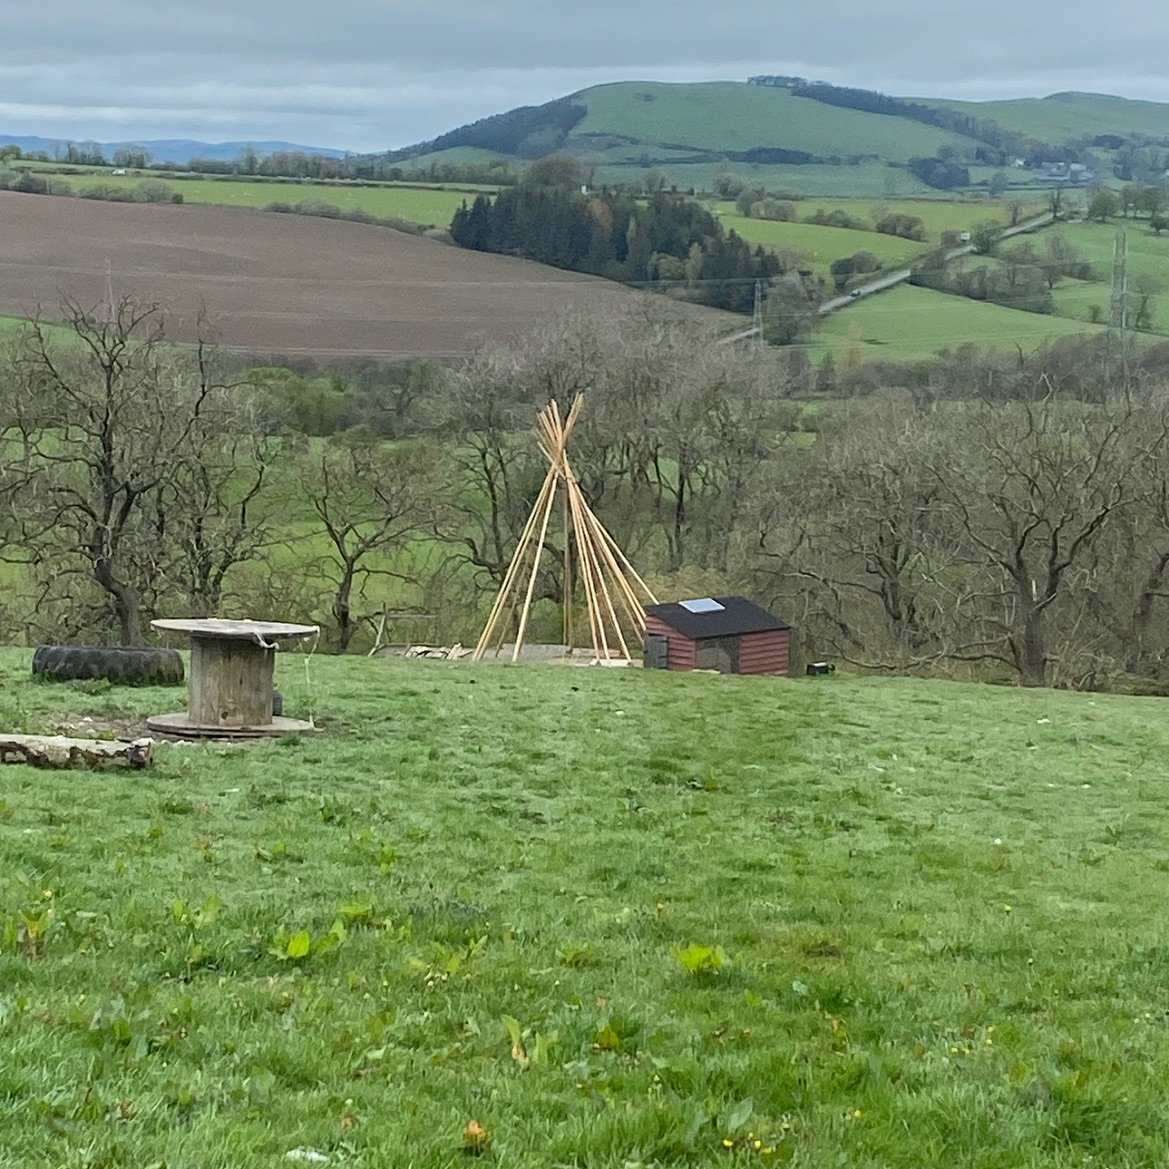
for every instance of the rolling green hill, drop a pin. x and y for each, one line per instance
(731, 118)
(810, 139)
(1065, 117)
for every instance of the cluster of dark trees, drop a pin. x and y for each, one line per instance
(1133, 200)
(944, 174)
(858, 264)
(899, 224)
(667, 240)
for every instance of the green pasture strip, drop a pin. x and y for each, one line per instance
(729, 116)
(417, 204)
(1148, 253)
(1067, 116)
(915, 322)
(872, 180)
(613, 918)
(936, 215)
(821, 245)
(1147, 264)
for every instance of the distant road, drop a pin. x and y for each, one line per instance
(888, 280)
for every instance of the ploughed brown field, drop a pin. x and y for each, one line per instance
(274, 284)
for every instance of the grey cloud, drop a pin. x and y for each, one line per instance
(366, 75)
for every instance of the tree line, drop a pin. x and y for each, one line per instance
(996, 517)
(668, 240)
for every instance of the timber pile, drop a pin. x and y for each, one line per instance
(58, 751)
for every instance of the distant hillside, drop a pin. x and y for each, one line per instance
(814, 138)
(179, 151)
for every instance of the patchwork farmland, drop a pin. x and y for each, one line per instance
(280, 284)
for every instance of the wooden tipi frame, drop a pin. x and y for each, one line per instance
(612, 587)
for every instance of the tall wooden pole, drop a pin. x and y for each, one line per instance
(519, 637)
(568, 581)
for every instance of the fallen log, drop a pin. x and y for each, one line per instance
(58, 751)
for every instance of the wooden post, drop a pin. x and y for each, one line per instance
(523, 627)
(568, 582)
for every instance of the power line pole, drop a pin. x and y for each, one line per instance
(757, 314)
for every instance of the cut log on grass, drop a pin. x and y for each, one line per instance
(58, 751)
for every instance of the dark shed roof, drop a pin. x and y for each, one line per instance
(737, 615)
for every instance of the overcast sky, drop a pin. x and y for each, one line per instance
(374, 74)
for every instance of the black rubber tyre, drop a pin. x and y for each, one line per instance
(127, 667)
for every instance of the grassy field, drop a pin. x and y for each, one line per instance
(908, 322)
(1067, 116)
(589, 918)
(427, 206)
(1148, 261)
(1148, 258)
(730, 116)
(821, 245)
(936, 215)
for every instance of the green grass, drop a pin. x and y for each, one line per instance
(1148, 257)
(871, 180)
(731, 116)
(936, 215)
(634, 126)
(11, 325)
(1068, 116)
(919, 916)
(908, 322)
(821, 245)
(428, 206)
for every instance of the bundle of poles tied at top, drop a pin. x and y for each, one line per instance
(612, 588)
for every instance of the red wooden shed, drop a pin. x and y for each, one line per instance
(728, 634)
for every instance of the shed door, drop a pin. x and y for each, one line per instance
(718, 653)
(656, 649)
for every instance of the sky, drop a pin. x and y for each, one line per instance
(367, 75)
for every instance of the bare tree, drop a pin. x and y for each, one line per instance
(217, 512)
(1031, 488)
(113, 421)
(370, 501)
(676, 431)
(856, 528)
